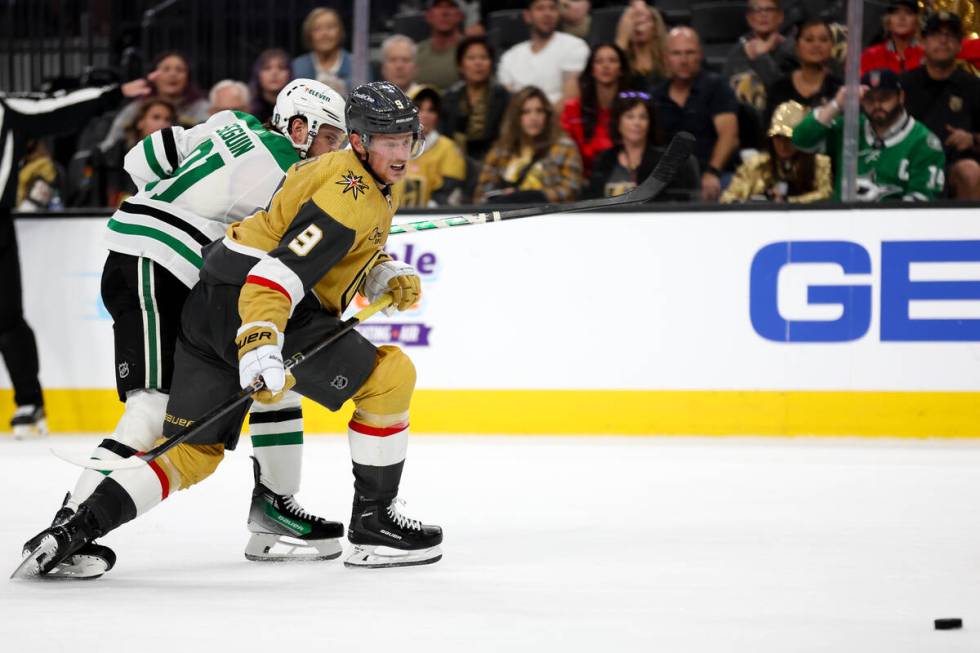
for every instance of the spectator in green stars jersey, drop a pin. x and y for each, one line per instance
(898, 157)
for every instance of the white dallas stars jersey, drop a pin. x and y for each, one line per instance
(192, 184)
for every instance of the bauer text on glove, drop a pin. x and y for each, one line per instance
(260, 354)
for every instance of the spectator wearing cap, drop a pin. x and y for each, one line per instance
(327, 61)
(898, 157)
(436, 56)
(550, 60)
(398, 66)
(473, 108)
(700, 102)
(969, 13)
(435, 177)
(586, 118)
(812, 83)
(947, 100)
(784, 173)
(762, 56)
(901, 50)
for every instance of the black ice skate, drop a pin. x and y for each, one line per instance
(29, 422)
(89, 562)
(54, 545)
(384, 537)
(282, 531)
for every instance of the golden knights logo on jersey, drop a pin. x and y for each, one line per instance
(352, 183)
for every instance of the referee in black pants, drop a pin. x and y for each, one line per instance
(23, 118)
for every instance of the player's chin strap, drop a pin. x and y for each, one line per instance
(231, 403)
(366, 162)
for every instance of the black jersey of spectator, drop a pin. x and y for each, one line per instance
(710, 96)
(454, 119)
(782, 90)
(954, 101)
(608, 172)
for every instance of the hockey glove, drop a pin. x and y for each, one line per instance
(397, 278)
(256, 359)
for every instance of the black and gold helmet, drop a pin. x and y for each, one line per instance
(383, 108)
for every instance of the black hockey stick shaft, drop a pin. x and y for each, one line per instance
(244, 394)
(670, 163)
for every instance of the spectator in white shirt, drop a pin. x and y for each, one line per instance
(551, 60)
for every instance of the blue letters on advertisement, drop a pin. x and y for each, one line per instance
(897, 291)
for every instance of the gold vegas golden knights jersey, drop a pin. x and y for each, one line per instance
(324, 229)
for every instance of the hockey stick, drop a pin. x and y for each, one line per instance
(229, 404)
(676, 155)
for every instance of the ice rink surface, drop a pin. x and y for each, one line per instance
(551, 544)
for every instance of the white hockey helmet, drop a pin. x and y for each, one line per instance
(314, 101)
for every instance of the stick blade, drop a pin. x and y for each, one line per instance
(100, 465)
(670, 163)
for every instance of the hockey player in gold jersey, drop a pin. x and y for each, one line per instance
(276, 283)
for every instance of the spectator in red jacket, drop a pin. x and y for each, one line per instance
(900, 51)
(586, 118)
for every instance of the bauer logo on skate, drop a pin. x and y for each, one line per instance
(924, 287)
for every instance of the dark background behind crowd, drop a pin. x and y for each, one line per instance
(526, 102)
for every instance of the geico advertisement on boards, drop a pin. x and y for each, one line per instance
(803, 300)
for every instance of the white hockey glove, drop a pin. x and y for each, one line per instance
(395, 278)
(263, 360)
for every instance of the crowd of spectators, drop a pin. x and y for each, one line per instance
(583, 107)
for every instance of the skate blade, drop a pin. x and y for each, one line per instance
(380, 557)
(268, 547)
(30, 566)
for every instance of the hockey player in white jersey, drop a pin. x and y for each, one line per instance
(192, 184)
(275, 286)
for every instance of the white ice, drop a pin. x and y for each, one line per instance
(551, 544)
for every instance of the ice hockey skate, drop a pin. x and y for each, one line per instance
(282, 531)
(54, 545)
(383, 536)
(29, 422)
(89, 562)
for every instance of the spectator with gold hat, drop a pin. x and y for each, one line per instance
(784, 173)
